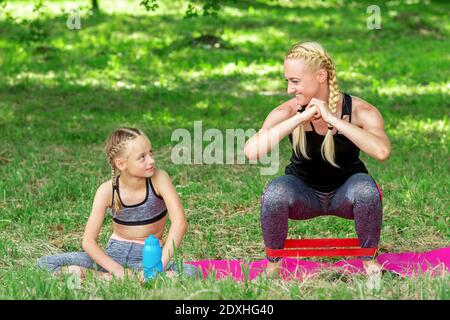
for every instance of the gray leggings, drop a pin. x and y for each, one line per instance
(126, 253)
(288, 197)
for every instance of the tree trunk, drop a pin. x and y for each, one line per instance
(95, 7)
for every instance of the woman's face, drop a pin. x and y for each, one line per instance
(302, 82)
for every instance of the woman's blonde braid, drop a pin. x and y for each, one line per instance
(333, 87)
(316, 57)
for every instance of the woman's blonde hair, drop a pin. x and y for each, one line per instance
(114, 148)
(316, 58)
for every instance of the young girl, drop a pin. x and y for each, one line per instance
(327, 129)
(138, 200)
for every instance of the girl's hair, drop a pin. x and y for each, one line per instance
(316, 58)
(115, 146)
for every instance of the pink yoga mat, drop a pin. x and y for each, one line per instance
(433, 262)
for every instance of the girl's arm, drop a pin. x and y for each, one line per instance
(178, 222)
(371, 138)
(278, 124)
(90, 245)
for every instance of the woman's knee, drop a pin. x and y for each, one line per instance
(278, 191)
(362, 187)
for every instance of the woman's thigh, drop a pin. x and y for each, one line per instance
(359, 187)
(288, 194)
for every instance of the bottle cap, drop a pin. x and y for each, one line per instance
(151, 240)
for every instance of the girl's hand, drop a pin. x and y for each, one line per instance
(107, 276)
(121, 274)
(171, 274)
(141, 277)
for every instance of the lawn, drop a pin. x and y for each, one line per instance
(63, 90)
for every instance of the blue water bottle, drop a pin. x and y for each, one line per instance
(151, 257)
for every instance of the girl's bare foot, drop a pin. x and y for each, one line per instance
(76, 276)
(80, 272)
(171, 274)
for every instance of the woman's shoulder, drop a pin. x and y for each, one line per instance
(282, 112)
(289, 106)
(361, 105)
(362, 110)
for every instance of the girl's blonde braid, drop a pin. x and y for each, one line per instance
(115, 144)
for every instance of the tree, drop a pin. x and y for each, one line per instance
(95, 7)
(208, 7)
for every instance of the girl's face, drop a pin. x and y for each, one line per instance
(138, 158)
(302, 82)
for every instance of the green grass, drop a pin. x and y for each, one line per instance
(62, 91)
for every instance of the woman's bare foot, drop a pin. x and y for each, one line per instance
(273, 269)
(372, 267)
(374, 272)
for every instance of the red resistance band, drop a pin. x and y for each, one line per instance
(346, 247)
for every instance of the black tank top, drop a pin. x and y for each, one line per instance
(320, 174)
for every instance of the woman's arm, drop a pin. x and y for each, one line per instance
(178, 222)
(371, 138)
(90, 245)
(278, 124)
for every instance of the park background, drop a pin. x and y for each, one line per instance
(62, 91)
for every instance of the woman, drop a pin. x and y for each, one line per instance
(327, 129)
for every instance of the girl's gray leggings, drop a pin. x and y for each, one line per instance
(288, 197)
(126, 253)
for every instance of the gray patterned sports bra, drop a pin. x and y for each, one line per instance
(152, 209)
